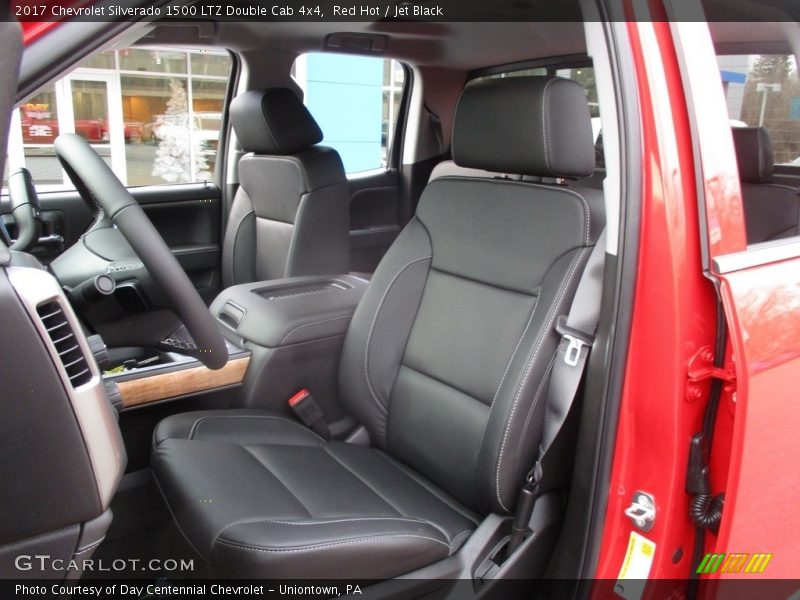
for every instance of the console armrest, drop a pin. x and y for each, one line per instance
(287, 311)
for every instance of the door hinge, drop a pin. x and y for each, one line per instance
(701, 368)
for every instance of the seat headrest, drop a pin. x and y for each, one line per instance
(525, 125)
(754, 154)
(273, 121)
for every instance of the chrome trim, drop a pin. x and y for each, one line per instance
(90, 402)
(758, 254)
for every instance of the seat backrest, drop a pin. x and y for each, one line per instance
(771, 211)
(447, 355)
(290, 214)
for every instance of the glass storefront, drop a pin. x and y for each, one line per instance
(154, 114)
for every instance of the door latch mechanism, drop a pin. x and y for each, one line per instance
(642, 511)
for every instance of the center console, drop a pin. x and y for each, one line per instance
(294, 329)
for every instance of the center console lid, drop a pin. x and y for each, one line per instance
(288, 311)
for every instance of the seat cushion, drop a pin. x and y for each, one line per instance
(259, 495)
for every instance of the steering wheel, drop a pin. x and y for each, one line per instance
(99, 187)
(26, 210)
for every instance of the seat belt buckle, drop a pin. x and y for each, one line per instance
(573, 352)
(576, 340)
(307, 410)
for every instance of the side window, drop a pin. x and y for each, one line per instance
(763, 90)
(154, 115)
(355, 100)
(517, 73)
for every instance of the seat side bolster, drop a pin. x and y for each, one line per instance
(238, 256)
(514, 423)
(346, 556)
(240, 426)
(380, 327)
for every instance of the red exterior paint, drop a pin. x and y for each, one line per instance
(762, 304)
(763, 490)
(34, 27)
(674, 315)
(755, 454)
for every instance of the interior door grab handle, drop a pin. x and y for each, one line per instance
(50, 240)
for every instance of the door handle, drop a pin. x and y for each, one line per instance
(50, 240)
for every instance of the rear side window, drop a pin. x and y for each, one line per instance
(356, 101)
(762, 90)
(153, 114)
(515, 73)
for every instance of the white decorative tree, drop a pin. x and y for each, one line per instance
(174, 160)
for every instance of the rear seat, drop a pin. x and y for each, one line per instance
(771, 211)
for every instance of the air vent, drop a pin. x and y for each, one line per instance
(63, 338)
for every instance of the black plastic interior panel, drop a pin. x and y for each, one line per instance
(188, 217)
(42, 446)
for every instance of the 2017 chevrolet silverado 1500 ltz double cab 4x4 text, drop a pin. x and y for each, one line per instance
(499, 303)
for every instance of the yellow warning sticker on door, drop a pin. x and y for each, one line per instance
(635, 567)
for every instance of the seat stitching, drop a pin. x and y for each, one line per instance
(91, 546)
(175, 520)
(458, 535)
(453, 124)
(351, 541)
(430, 490)
(531, 412)
(419, 371)
(276, 478)
(381, 406)
(311, 324)
(544, 125)
(349, 520)
(378, 494)
(500, 385)
(361, 479)
(552, 188)
(199, 421)
(236, 237)
(494, 285)
(545, 330)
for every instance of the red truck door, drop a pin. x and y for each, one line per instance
(757, 455)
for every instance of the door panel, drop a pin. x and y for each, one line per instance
(759, 285)
(187, 216)
(375, 218)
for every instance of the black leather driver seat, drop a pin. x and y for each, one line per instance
(444, 364)
(290, 215)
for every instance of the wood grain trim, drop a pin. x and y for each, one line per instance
(180, 383)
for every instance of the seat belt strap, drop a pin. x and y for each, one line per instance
(577, 331)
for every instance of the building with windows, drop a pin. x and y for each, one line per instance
(155, 113)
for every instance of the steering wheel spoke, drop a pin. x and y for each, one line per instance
(95, 181)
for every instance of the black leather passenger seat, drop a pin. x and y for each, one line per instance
(445, 365)
(771, 211)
